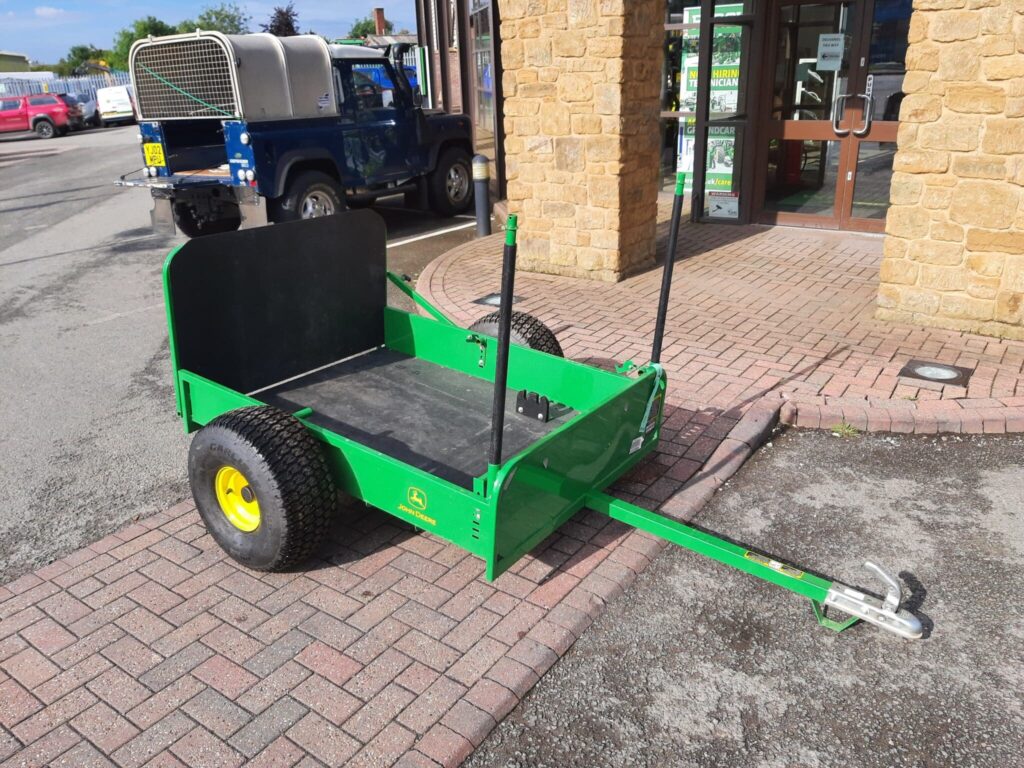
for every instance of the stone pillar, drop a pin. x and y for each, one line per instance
(581, 84)
(954, 251)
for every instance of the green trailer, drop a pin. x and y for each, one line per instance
(300, 381)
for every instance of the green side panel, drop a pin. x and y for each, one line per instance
(703, 543)
(411, 292)
(580, 386)
(171, 340)
(203, 401)
(419, 498)
(548, 483)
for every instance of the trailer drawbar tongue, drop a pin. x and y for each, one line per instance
(301, 381)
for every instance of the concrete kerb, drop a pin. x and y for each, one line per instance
(928, 417)
(750, 433)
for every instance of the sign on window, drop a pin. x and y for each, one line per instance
(725, 83)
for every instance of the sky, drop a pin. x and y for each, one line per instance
(44, 30)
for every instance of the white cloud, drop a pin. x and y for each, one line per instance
(48, 12)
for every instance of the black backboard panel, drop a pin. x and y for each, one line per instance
(261, 305)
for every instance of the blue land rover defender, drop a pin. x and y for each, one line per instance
(254, 126)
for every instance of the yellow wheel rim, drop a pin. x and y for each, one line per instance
(237, 500)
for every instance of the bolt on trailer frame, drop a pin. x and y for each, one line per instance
(417, 417)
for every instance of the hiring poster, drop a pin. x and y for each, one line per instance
(725, 76)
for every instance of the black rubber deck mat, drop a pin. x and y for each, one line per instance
(431, 417)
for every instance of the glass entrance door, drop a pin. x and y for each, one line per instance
(882, 58)
(837, 73)
(481, 24)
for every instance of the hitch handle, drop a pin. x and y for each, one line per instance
(885, 614)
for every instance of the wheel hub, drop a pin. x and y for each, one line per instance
(457, 183)
(317, 204)
(236, 498)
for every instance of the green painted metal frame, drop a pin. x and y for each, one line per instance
(411, 292)
(507, 512)
(514, 506)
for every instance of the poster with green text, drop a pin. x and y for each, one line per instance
(725, 75)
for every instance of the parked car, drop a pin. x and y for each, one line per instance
(48, 114)
(89, 108)
(380, 76)
(294, 127)
(116, 105)
(76, 114)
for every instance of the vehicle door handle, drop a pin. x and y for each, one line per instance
(837, 114)
(869, 108)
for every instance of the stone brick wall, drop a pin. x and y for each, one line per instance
(954, 250)
(581, 83)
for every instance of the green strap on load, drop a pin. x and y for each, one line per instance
(659, 374)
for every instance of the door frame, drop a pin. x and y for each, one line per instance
(808, 130)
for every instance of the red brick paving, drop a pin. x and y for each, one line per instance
(150, 647)
(761, 311)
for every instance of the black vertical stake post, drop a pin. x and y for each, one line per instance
(666, 274)
(508, 278)
(482, 195)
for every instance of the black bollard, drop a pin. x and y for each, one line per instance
(482, 193)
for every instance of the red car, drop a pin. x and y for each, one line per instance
(48, 114)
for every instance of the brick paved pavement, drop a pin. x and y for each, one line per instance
(150, 647)
(762, 311)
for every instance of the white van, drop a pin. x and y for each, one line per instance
(116, 104)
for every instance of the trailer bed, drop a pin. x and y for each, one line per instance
(426, 415)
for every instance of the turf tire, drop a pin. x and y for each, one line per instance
(288, 474)
(527, 331)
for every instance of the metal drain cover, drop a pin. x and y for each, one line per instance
(940, 373)
(494, 300)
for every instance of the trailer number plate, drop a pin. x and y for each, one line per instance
(154, 154)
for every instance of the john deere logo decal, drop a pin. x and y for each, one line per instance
(417, 498)
(416, 505)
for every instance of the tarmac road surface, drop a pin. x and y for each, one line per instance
(88, 434)
(699, 665)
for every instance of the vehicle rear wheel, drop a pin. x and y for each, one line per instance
(45, 129)
(527, 331)
(192, 224)
(310, 195)
(262, 487)
(451, 183)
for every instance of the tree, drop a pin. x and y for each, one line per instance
(284, 22)
(76, 59)
(229, 18)
(140, 28)
(366, 26)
